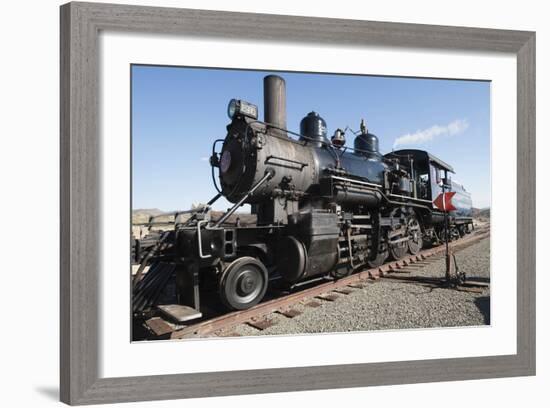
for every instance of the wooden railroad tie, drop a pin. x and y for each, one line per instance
(331, 297)
(290, 313)
(261, 324)
(343, 291)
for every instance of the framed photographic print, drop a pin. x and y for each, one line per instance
(233, 183)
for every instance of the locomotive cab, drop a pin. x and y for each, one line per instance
(432, 176)
(427, 171)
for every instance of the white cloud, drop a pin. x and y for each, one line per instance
(205, 158)
(426, 135)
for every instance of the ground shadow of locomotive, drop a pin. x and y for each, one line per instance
(324, 210)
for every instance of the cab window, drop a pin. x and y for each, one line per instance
(436, 174)
(423, 186)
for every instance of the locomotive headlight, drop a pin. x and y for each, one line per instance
(239, 107)
(232, 108)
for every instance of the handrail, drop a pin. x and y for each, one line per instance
(268, 175)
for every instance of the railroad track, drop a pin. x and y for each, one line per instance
(329, 291)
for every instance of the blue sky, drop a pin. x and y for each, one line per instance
(177, 113)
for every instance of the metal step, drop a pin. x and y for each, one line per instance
(180, 313)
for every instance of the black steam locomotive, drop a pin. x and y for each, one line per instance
(323, 209)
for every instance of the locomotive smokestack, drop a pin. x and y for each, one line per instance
(275, 101)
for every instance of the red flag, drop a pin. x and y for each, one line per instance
(444, 202)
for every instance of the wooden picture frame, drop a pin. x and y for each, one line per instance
(81, 24)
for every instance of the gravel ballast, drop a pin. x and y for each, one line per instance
(386, 304)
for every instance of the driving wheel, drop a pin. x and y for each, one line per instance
(244, 283)
(398, 250)
(379, 259)
(415, 236)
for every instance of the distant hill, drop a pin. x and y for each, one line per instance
(484, 213)
(141, 216)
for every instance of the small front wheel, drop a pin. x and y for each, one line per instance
(243, 283)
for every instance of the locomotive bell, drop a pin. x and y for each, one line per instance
(338, 139)
(313, 129)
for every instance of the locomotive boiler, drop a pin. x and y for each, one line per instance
(323, 209)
